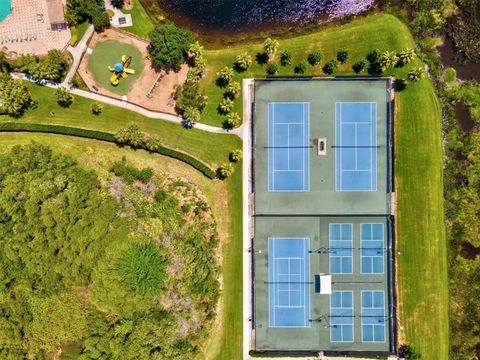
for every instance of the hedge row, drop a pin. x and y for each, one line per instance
(104, 136)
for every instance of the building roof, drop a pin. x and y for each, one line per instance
(55, 12)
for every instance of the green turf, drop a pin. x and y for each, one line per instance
(213, 149)
(381, 31)
(422, 266)
(142, 25)
(108, 53)
(78, 32)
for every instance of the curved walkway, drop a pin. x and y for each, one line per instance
(129, 106)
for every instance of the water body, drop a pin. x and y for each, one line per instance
(234, 16)
(5, 9)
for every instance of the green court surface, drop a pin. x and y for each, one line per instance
(109, 53)
(333, 200)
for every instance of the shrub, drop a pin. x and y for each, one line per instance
(270, 47)
(286, 58)
(342, 56)
(52, 67)
(225, 106)
(373, 56)
(374, 67)
(169, 46)
(359, 66)
(64, 98)
(225, 171)
(196, 50)
(224, 76)
(145, 175)
(142, 269)
(101, 21)
(131, 135)
(97, 108)
(330, 67)
(236, 155)
(400, 84)
(450, 75)
(415, 74)
(242, 62)
(129, 173)
(315, 58)
(232, 121)
(191, 114)
(272, 69)
(300, 68)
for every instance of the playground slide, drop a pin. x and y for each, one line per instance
(114, 79)
(129, 71)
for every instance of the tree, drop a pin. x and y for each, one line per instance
(400, 84)
(300, 68)
(342, 56)
(191, 114)
(405, 56)
(233, 89)
(315, 57)
(286, 57)
(415, 74)
(330, 67)
(242, 62)
(79, 11)
(232, 121)
(15, 97)
(225, 171)
(235, 155)
(359, 66)
(224, 76)
(270, 47)
(190, 95)
(101, 21)
(169, 46)
(225, 106)
(4, 64)
(52, 67)
(272, 69)
(97, 108)
(131, 135)
(388, 59)
(373, 56)
(64, 98)
(374, 67)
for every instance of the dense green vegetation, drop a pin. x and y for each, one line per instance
(79, 11)
(15, 97)
(58, 282)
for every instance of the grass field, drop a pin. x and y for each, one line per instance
(78, 32)
(210, 148)
(108, 53)
(225, 198)
(142, 26)
(382, 31)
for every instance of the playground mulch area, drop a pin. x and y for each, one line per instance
(108, 47)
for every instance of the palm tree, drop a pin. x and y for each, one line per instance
(270, 46)
(232, 121)
(243, 62)
(196, 50)
(225, 75)
(233, 89)
(415, 74)
(389, 59)
(405, 56)
(225, 106)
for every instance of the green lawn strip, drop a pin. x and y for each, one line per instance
(381, 31)
(104, 136)
(142, 25)
(422, 265)
(108, 53)
(77, 32)
(213, 149)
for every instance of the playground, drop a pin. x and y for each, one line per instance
(117, 64)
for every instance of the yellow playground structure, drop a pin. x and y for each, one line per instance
(120, 70)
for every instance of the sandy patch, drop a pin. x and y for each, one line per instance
(160, 99)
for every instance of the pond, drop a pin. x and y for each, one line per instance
(234, 16)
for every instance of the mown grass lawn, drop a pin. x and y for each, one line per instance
(142, 25)
(382, 31)
(211, 148)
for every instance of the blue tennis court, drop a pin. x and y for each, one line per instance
(372, 245)
(289, 282)
(341, 316)
(356, 146)
(288, 147)
(373, 316)
(341, 248)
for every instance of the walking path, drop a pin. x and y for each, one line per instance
(77, 53)
(129, 106)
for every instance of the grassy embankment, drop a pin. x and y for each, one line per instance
(142, 25)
